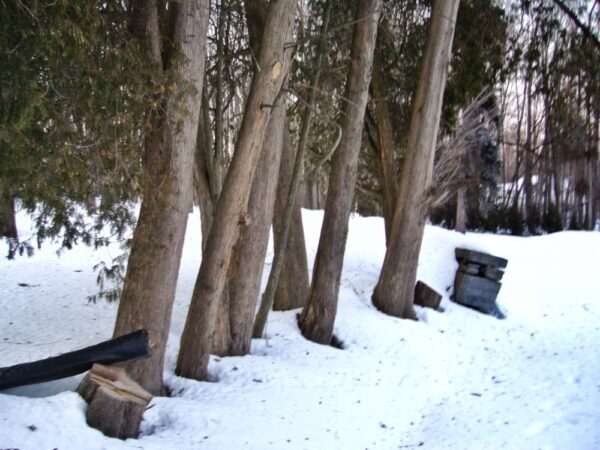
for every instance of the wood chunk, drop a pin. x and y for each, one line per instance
(116, 402)
(86, 388)
(465, 255)
(426, 296)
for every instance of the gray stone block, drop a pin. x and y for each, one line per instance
(477, 292)
(491, 273)
(464, 255)
(471, 269)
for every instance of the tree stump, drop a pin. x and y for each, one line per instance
(116, 403)
(427, 297)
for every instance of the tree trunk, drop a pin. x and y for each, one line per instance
(8, 224)
(274, 62)
(235, 317)
(153, 266)
(245, 274)
(219, 108)
(202, 174)
(461, 210)
(317, 319)
(221, 337)
(287, 287)
(394, 293)
(385, 155)
(207, 179)
(590, 213)
(292, 289)
(528, 167)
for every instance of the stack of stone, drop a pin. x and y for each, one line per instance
(477, 281)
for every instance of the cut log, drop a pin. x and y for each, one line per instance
(124, 348)
(472, 256)
(116, 402)
(426, 296)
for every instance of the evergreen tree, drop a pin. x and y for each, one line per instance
(72, 115)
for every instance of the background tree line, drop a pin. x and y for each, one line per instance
(482, 115)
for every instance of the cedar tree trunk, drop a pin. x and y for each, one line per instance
(8, 223)
(153, 266)
(292, 289)
(282, 229)
(235, 315)
(317, 319)
(230, 216)
(387, 162)
(394, 293)
(245, 273)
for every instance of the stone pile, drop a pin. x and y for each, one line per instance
(477, 281)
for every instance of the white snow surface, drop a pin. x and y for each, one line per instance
(455, 379)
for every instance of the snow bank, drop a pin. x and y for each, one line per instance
(453, 380)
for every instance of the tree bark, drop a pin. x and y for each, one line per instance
(529, 209)
(247, 265)
(207, 177)
(202, 174)
(153, 266)
(317, 319)
(8, 223)
(292, 289)
(282, 230)
(273, 62)
(394, 293)
(387, 162)
(461, 210)
(235, 317)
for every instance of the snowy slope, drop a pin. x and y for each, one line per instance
(453, 380)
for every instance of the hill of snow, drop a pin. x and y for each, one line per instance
(453, 380)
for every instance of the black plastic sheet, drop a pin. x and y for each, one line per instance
(128, 347)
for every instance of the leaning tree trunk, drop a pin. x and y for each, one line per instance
(291, 286)
(385, 146)
(236, 316)
(245, 273)
(292, 289)
(461, 210)
(289, 197)
(274, 62)
(394, 293)
(207, 179)
(153, 266)
(317, 319)
(8, 223)
(205, 196)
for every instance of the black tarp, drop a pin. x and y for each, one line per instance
(124, 348)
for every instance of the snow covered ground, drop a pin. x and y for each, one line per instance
(453, 380)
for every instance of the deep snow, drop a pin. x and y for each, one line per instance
(453, 380)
